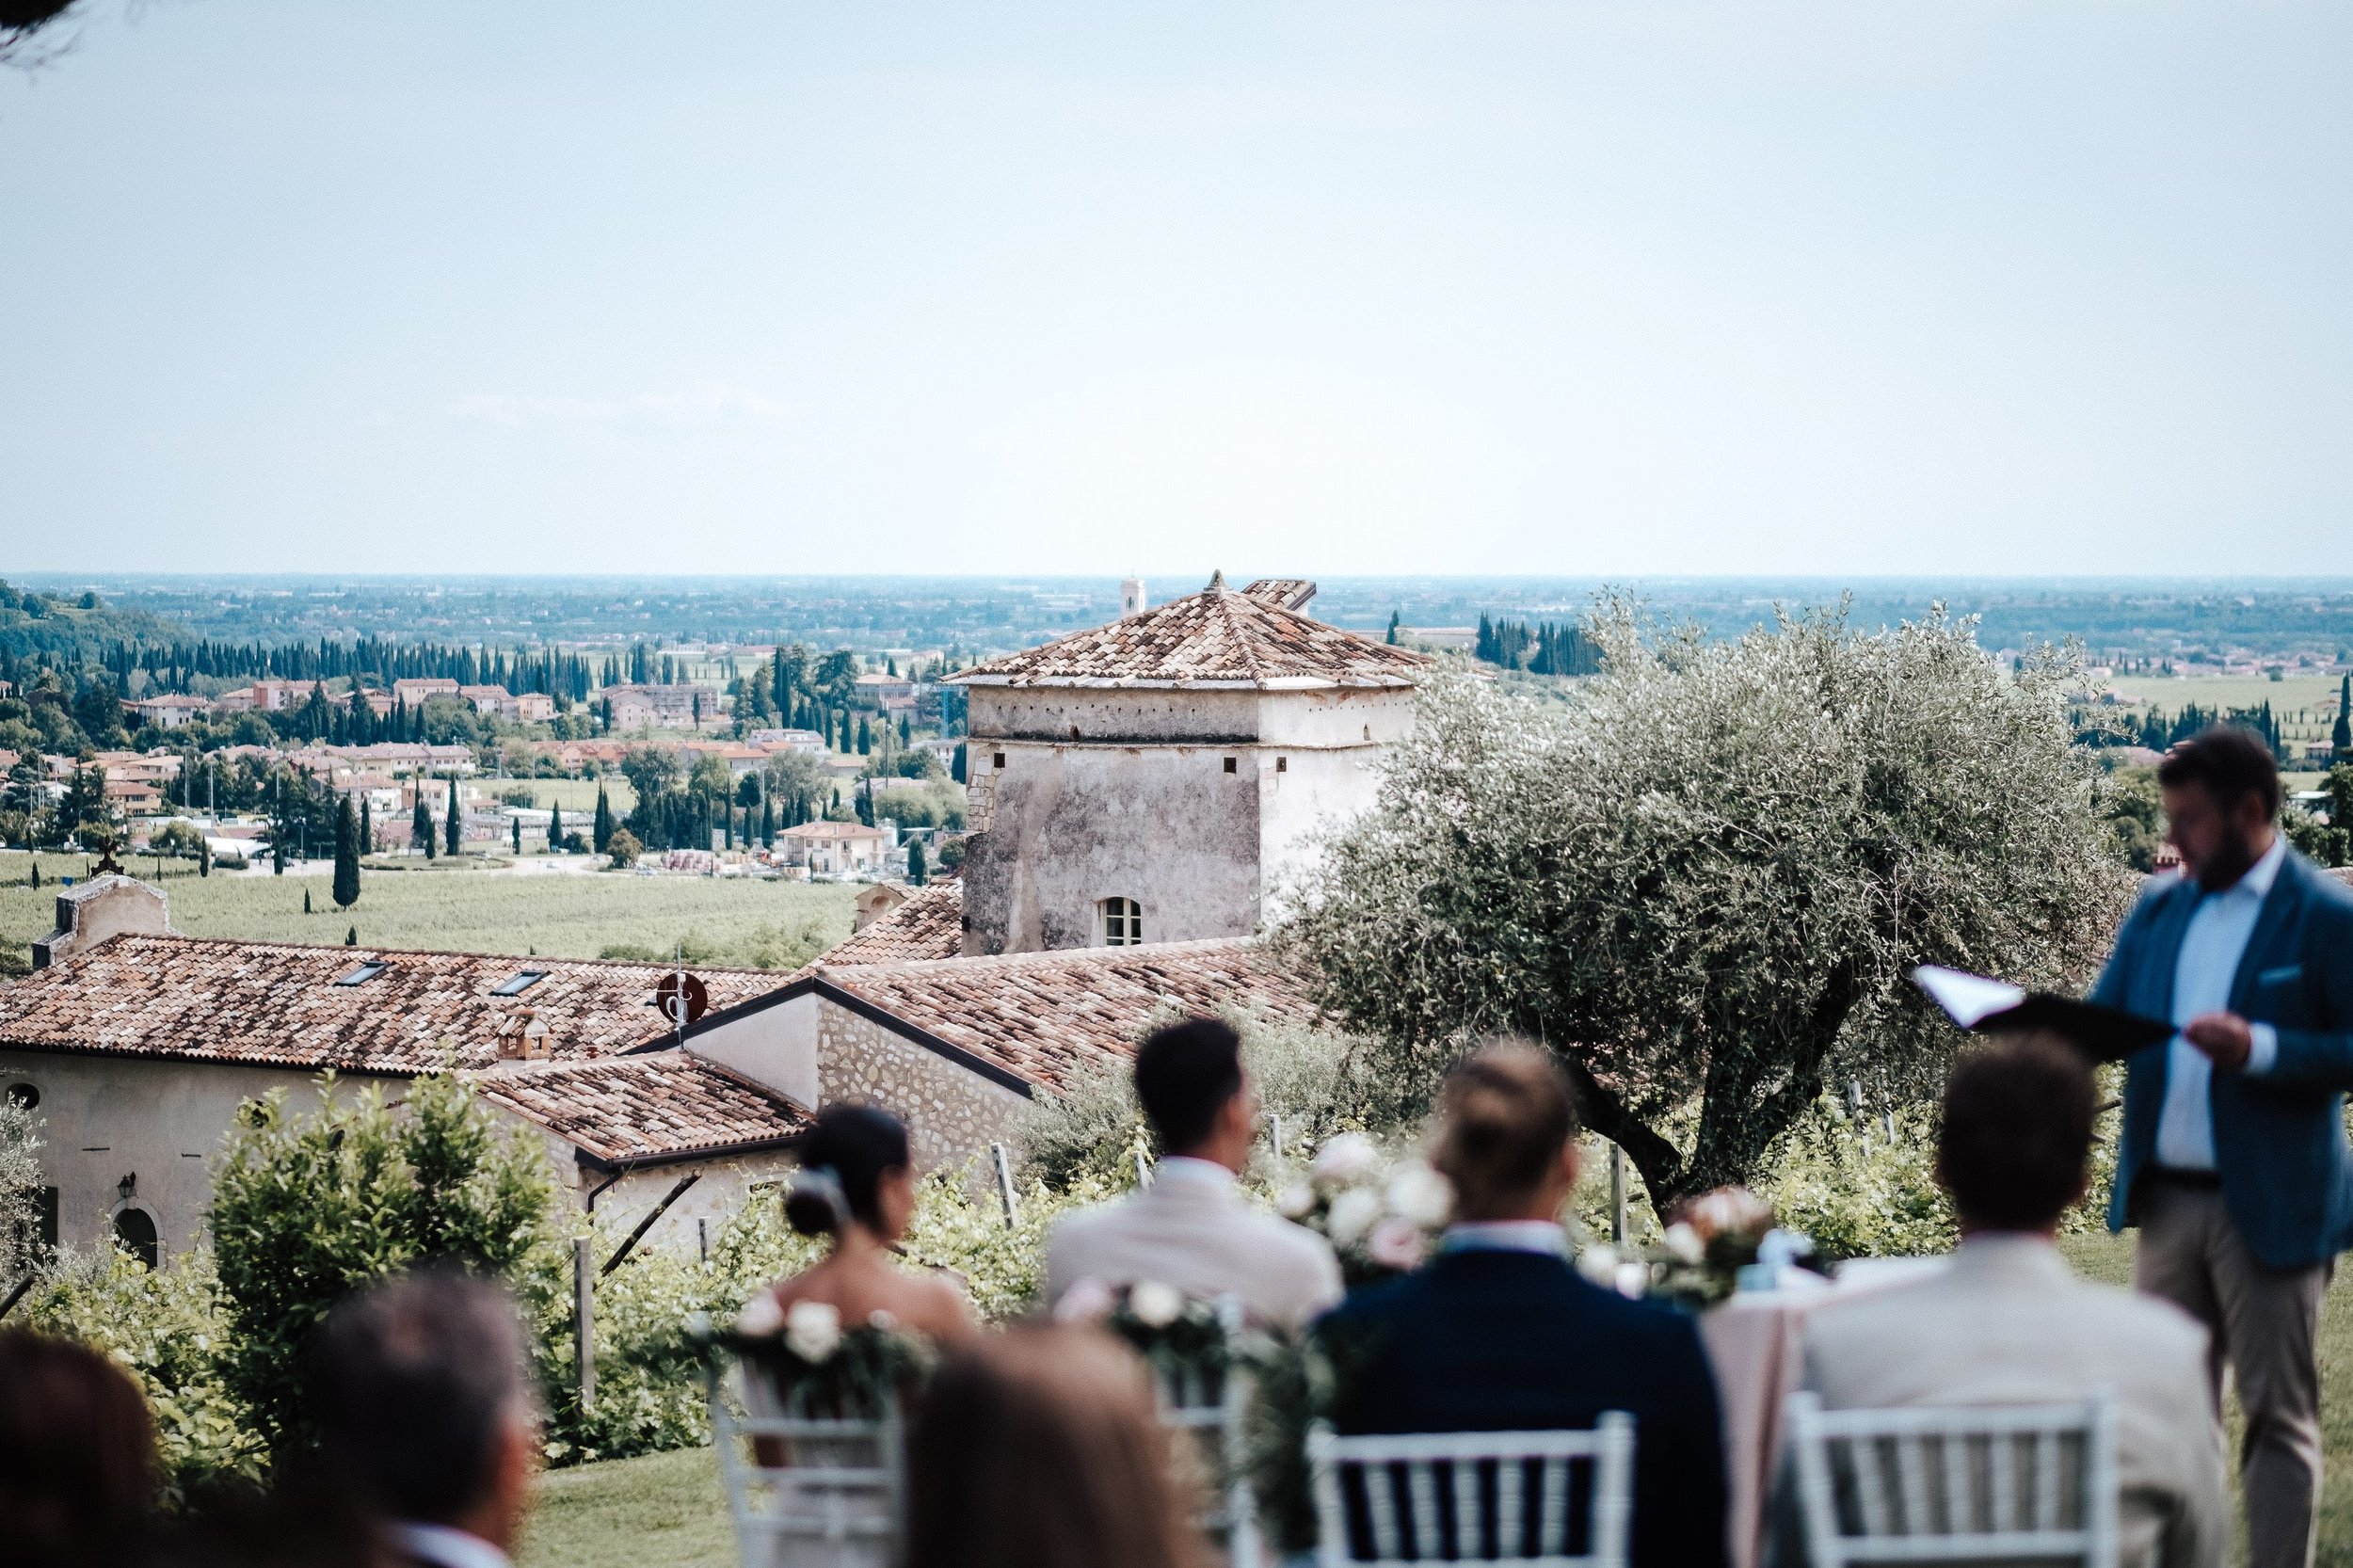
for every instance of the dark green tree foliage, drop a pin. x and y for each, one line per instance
(351, 937)
(555, 828)
(1545, 649)
(915, 862)
(306, 900)
(865, 738)
(305, 1210)
(1397, 618)
(956, 765)
(421, 825)
(601, 833)
(514, 825)
(2341, 734)
(367, 828)
(346, 857)
(454, 827)
(2157, 732)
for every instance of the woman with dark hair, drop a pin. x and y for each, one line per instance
(1039, 1448)
(77, 1455)
(857, 1184)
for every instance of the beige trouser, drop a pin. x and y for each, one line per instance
(2265, 1322)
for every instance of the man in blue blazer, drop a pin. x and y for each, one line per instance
(2233, 1160)
(1499, 1334)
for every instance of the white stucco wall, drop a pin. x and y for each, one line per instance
(1063, 824)
(106, 1117)
(775, 1046)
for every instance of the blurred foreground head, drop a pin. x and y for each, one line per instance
(1507, 1133)
(2014, 1148)
(1040, 1448)
(425, 1410)
(77, 1455)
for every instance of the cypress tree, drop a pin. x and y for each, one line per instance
(2342, 736)
(453, 829)
(517, 824)
(601, 831)
(956, 765)
(767, 822)
(306, 900)
(865, 738)
(420, 826)
(346, 857)
(915, 861)
(555, 828)
(351, 937)
(1395, 617)
(367, 828)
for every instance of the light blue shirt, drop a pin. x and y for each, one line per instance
(2212, 945)
(1539, 1236)
(444, 1547)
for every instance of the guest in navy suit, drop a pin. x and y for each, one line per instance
(1500, 1333)
(2233, 1160)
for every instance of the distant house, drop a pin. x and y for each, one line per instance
(657, 707)
(171, 710)
(786, 739)
(834, 848)
(741, 759)
(486, 699)
(531, 707)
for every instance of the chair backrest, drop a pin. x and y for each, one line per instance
(1546, 1499)
(1209, 1405)
(809, 1490)
(1979, 1483)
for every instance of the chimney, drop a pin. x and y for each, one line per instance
(523, 1037)
(1130, 597)
(101, 907)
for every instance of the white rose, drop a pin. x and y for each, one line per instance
(1352, 1214)
(1349, 1157)
(1684, 1243)
(1397, 1243)
(760, 1316)
(1599, 1265)
(1154, 1305)
(812, 1331)
(1295, 1202)
(1420, 1195)
(1087, 1301)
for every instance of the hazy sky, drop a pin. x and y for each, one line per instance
(1312, 288)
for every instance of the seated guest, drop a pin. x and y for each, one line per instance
(77, 1456)
(1189, 1228)
(2009, 1323)
(427, 1416)
(1500, 1333)
(1040, 1448)
(856, 1185)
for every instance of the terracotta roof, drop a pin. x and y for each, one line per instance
(277, 1004)
(1283, 593)
(1045, 1016)
(928, 924)
(1214, 638)
(664, 1105)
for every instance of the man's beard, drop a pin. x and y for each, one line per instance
(2232, 859)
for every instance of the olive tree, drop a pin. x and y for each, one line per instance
(1702, 879)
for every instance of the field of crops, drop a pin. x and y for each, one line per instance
(582, 915)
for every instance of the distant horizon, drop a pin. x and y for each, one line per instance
(43, 577)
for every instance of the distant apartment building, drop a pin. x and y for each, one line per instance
(413, 694)
(655, 707)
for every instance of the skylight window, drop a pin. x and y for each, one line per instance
(520, 982)
(360, 974)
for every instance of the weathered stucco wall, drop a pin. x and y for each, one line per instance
(1063, 824)
(1069, 825)
(1097, 714)
(775, 1045)
(951, 1113)
(723, 1188)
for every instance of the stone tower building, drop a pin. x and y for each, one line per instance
(1147, 780)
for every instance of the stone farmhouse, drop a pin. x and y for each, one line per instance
(1152, 779)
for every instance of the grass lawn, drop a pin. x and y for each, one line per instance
(667, 1509)
(739, 921)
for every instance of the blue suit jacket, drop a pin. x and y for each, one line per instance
(2279, 1139)
(1513, 1341)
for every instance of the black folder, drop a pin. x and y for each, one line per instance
(1985, 1006)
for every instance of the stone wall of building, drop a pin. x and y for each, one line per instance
(952, 1113)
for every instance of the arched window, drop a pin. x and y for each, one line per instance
(135, 1228)
(1122, 921)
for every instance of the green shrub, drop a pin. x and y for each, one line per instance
(169, 1330)
(305, 1211)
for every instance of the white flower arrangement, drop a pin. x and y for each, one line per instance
(1382, 1215)
(812, 1331)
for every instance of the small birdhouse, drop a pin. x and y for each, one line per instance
(523, 1037)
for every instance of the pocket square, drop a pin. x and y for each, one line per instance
(2284, 974)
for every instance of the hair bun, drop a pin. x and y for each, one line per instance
(815, 1204)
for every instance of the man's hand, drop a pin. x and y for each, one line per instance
(2223, 1036)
